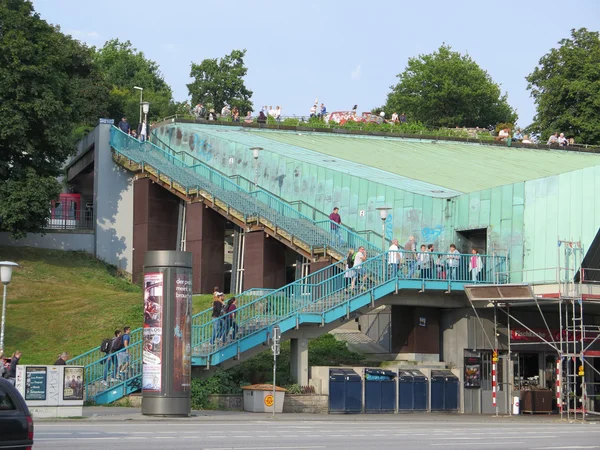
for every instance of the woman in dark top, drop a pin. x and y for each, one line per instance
(230, 319)
(261, 118)
(14, 361)
(217, 312)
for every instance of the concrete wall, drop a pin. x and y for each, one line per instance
(292, 403)
(113, 205)
(55, 240)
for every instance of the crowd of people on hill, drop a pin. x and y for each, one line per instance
(556, 139)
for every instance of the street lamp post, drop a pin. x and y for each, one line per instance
(145, 108)
(141, 99)
(383, 214)
(255, 153)
(6, 268)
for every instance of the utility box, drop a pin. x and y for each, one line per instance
(444, 391)
(380, 391)
(259, 398)
(412, 391)
(345, 391)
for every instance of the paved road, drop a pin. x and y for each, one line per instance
(329, 433)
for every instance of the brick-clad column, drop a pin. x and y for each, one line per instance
(205, 239)
(264, 261)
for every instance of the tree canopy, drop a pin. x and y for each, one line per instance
(47, 80)
(123, 67)
(448, 89)
(221, 81)
(566, 88)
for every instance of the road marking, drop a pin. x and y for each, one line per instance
(476, 443)
(566, 448)
(266, 448)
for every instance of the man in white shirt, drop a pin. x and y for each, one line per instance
(504, 134)
(553, 139)
(359, 258)
(562, 140)
(453, 262)
(271, 112)
(278, 114)
(394, 258)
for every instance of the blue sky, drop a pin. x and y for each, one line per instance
(345, 52)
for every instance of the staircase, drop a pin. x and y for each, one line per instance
(319, 299)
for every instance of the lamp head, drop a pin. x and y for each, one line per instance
(383, 212)
(145, 107)
(6, 268)
(138, 88)
(255, 151)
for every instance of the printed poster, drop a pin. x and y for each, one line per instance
(182, 361)
(472, 372)
(73, 383)
(152, 350)
(35, 383)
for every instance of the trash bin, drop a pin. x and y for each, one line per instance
(444, 391)
(380, 391)
(412, 391)
(259, 398)
(345, 391)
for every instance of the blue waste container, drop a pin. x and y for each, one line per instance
(380, 391)
(345, 391)
(444, 391)
(412, 391)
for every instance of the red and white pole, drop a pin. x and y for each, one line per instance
(558, 399)
(494, 385)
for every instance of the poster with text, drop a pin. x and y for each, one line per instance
(152, 334)
(35, 383)
(181, 336)
(73, 383)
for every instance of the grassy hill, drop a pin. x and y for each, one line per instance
(67, 301)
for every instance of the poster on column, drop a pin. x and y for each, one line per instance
(182, 357)
(73, 383)
(152, 350)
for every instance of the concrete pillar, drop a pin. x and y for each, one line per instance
(299, 360)
(416, 332)
(264, 261)
(205, 235)
(155, 214)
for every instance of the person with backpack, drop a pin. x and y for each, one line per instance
(123, 357)
(359, 258)
(229, 319)
(111, 348)
(349, 274)
(217, 312)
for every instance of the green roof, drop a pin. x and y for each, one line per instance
(462, 167)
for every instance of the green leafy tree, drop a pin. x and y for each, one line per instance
(566, 88)
(221, 81)
(123, 67)
(46, 86)
(448, 89)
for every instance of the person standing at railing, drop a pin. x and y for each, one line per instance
(423, 261)
(394, 258)
(336, 221)
(278, 113)
(432, 273)
(475, 265)
(453, 262)
(411, 258)
(235, 114)
(124, 125)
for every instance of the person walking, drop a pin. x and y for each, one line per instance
(394, 258)
(411, 257)
(359, 258)
(230, 322)
(142, 131)
(111, 361)
(217, 312)
(336, 221)
(475, 265)
(349, 273)
(62, 359)
(123, 357)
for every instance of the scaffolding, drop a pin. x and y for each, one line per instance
(575, 393)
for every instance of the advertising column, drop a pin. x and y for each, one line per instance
(167, 344)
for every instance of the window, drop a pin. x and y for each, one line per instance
(6, 403)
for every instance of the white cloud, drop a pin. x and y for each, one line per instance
(84, 35)
(355, 74)
(93, 35)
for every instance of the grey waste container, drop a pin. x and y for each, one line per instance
(380, 391)
(345, 391)
(412, 391)
(444, 391)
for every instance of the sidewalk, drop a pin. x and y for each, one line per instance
(121, 414)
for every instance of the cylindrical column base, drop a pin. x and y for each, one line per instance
(166, 406)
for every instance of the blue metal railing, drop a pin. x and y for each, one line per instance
(189, 176)
(315, 297)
